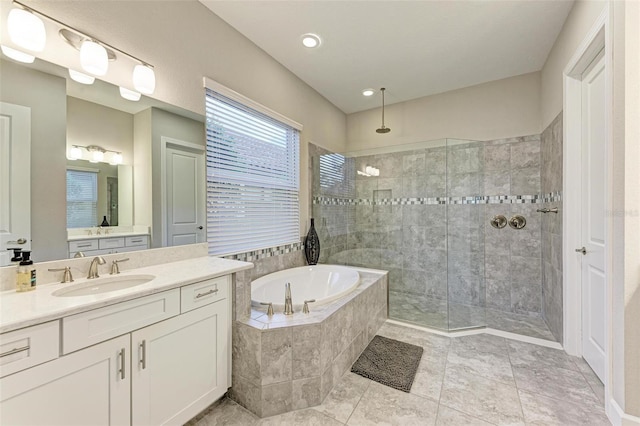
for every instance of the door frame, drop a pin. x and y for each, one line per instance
(598, 38)
(167, 142)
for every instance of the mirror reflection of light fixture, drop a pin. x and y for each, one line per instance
(96, 154)
(81, 78)
(129, 95)
(26, 30)
(369, 171)
(144, 79)
(17, 55)
(94, 58)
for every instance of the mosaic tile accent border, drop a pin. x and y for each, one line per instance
(251, 256)
(481, 199)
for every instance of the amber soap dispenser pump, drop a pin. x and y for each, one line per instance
(26, 279)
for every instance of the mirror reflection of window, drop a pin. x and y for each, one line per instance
(82, 198)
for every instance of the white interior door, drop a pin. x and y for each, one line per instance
(594, 295)
(185, 195)
(15, 179)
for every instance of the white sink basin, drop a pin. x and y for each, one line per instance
(102, 285)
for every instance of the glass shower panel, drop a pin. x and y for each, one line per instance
(465, 234)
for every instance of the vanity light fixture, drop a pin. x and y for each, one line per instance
(17, 55)
(81, 78)
(97, 154)
(26, 30)
(116, 159)
(94, 58)
(144, 79)
(311, 40)
(129, 95)
(368, 92)
(75, 153)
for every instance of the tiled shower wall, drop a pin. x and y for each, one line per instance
(413, 221)
(551, 181)
(512, 257)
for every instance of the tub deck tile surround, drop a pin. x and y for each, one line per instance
(283, 363)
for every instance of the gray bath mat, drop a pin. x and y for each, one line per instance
(390, 362)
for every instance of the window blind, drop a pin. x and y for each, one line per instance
(337, 175)
(82, 199)
(252, 178)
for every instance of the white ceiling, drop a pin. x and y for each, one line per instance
(413, 48)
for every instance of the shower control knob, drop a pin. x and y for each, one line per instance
(517, 222)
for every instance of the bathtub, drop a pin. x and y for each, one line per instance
(324, 283)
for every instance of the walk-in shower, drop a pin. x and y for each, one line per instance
(423, 212)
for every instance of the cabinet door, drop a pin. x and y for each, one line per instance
(89, 387)
(180, 366)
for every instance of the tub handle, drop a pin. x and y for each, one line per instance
(305, 308)
(269, 309)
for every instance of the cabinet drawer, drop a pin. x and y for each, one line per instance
(29, 346)
(107, 243)
(199, 294)
(83, 245)
(88, 328)
(140, 240)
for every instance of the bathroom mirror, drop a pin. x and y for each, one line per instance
(66, 113)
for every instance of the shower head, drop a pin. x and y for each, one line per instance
(383, 129)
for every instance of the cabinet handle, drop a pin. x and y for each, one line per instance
(143, 357)
(121, 357)
(14, 351)
(136, 241)
(206, 293)
(84, 245)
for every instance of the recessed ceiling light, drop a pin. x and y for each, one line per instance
(310, 40)
(368, 92)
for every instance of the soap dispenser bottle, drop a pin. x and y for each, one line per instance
(17, 256)
(26, 279)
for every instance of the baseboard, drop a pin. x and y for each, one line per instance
(618, 417)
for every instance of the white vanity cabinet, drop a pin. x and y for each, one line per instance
(108, 245)
(179, 366)
(88, 387)
(167, 365)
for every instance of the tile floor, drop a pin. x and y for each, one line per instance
(471, 380)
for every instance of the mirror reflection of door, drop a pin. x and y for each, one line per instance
(184, 205)
(15, 186)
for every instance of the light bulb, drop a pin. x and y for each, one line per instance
(17, 55)
(81, 77)
(94, 58)
(368, 92)
(75, 153)
(116, 159)
(129, 95)
(26, 30)
(144, 79)
(311, 40)
(96, 156)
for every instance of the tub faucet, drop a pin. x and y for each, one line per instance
(288, 305)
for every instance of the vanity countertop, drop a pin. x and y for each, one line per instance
(110, 235)
(19, 310)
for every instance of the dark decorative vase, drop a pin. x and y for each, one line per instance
(312, 246)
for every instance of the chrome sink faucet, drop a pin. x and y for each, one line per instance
(288, 304)
(93, 268)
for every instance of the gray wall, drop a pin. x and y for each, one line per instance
(551, 181)
(47, 98)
